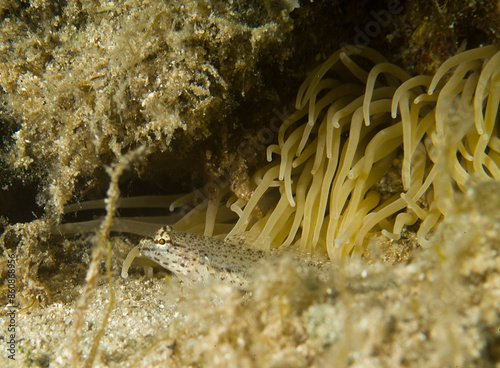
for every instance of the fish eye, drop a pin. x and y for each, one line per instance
(161, 241)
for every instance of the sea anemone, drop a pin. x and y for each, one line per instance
(357, 119)
(347, 133)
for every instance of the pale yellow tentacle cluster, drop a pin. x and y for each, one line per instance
(352, 122)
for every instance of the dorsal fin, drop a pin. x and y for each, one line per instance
(249, 239)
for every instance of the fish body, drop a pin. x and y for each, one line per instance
(200, 258)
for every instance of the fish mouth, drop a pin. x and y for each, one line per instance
(146, 244)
